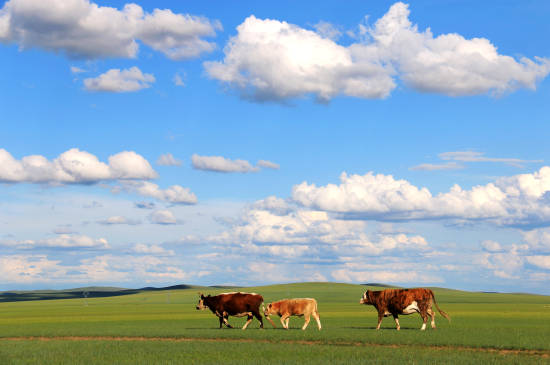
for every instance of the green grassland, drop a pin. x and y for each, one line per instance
(163, 327)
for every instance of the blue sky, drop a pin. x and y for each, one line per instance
(170, 142)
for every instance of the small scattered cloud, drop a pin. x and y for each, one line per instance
(145, 205)
(62, 241)
(435, 167)
(328, 30)
(491, 246)
(117, 219)
(268, 165)
(120, 81)
(156, 250)
(221, 164)
(168, 159)
(174, 194)
(472, 156)
(77, 70)
(164, 217)
(178, 80)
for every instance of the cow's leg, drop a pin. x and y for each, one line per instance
(283, 322)
(424, 315)
(248, 320)
(284, 318)
(380, 316)
(432, 314)
(225, 318)
(259, 318)
(395, 317)
(306, 317)
(316, 316)
(287, 320)
(221, 321)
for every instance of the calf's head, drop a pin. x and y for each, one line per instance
(270, 309)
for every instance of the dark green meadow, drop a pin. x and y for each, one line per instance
(163, 327)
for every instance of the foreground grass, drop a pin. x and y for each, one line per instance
(482, 324)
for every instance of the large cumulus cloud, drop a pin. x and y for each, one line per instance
(273, 60)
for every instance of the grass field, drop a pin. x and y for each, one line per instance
(163, 327)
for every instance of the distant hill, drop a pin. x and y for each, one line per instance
(89, 292)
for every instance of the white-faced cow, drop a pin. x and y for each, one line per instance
(233, 304)
(293, 307)
(403, 301)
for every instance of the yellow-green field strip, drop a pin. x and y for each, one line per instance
(536, 353)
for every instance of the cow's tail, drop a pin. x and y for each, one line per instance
(439, 309)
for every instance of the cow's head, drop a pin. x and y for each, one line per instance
(366, 298)
(200, 305)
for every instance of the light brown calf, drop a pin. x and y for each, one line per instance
(294, 307)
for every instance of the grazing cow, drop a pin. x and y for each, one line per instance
(294, 307)
(233, 304)
(403, 301)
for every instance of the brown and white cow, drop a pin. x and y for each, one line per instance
(294, 307)
(235, 304)
(403, 301)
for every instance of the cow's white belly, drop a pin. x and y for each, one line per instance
(242, 314)
(411, 308)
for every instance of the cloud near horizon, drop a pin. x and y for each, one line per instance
(271, 60)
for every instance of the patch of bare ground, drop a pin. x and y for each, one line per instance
(537, 353)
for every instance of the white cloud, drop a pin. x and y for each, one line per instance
(73, 166)
(67, 241)
(175, 194)
(178, 81)
(449, 63)
(221, 164)
(537, 240)
(162, 217)
(519, 200)
(539, 261)
(77, 70)
(105, 269)
(274, 60)
(118, 81)
(268, 165)
(327, 30)
(117, 219)
(265, 228)
(168, 159)
(433, 167)
(384, 276)
(156, 250)
(82, 29)
(491, 246)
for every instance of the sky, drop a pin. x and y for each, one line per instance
(253, 143)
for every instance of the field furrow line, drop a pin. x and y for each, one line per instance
(537, 353)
